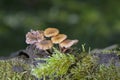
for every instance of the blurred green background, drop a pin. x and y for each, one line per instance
(94, 22)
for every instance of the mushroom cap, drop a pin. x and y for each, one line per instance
(49, 32)
(59, 38)
(40, 36)
(34, 36)
(44, 45)
(68, 43)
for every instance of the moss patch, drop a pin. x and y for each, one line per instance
(15, 69)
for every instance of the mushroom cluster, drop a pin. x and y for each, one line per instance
(44, 40)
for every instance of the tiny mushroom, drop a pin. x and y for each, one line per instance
(50, 32)
(34, 36)
(67, 43)
(44, 45)
(59, 38)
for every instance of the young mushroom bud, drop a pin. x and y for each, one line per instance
(44, 45)
(68, 43)
(50, 32)
(34, 36)
(59, 38)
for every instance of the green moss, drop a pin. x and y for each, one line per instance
(57, 65)
(107, 73)
(60, 66)
(80, 66)
(8, 72)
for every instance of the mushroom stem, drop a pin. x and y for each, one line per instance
(64, 50)
(60, 48)
(48, 51)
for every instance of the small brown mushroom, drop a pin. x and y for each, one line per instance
(59, 38)
(44, 45)
(50, 32)
(34, 36)
(67, 43)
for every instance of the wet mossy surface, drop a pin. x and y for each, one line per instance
(85, 66)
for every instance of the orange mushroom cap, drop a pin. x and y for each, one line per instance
(49, 32)
(68, 43)
(59, 38)
(44, 45)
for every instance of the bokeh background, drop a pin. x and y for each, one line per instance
(94, 22)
